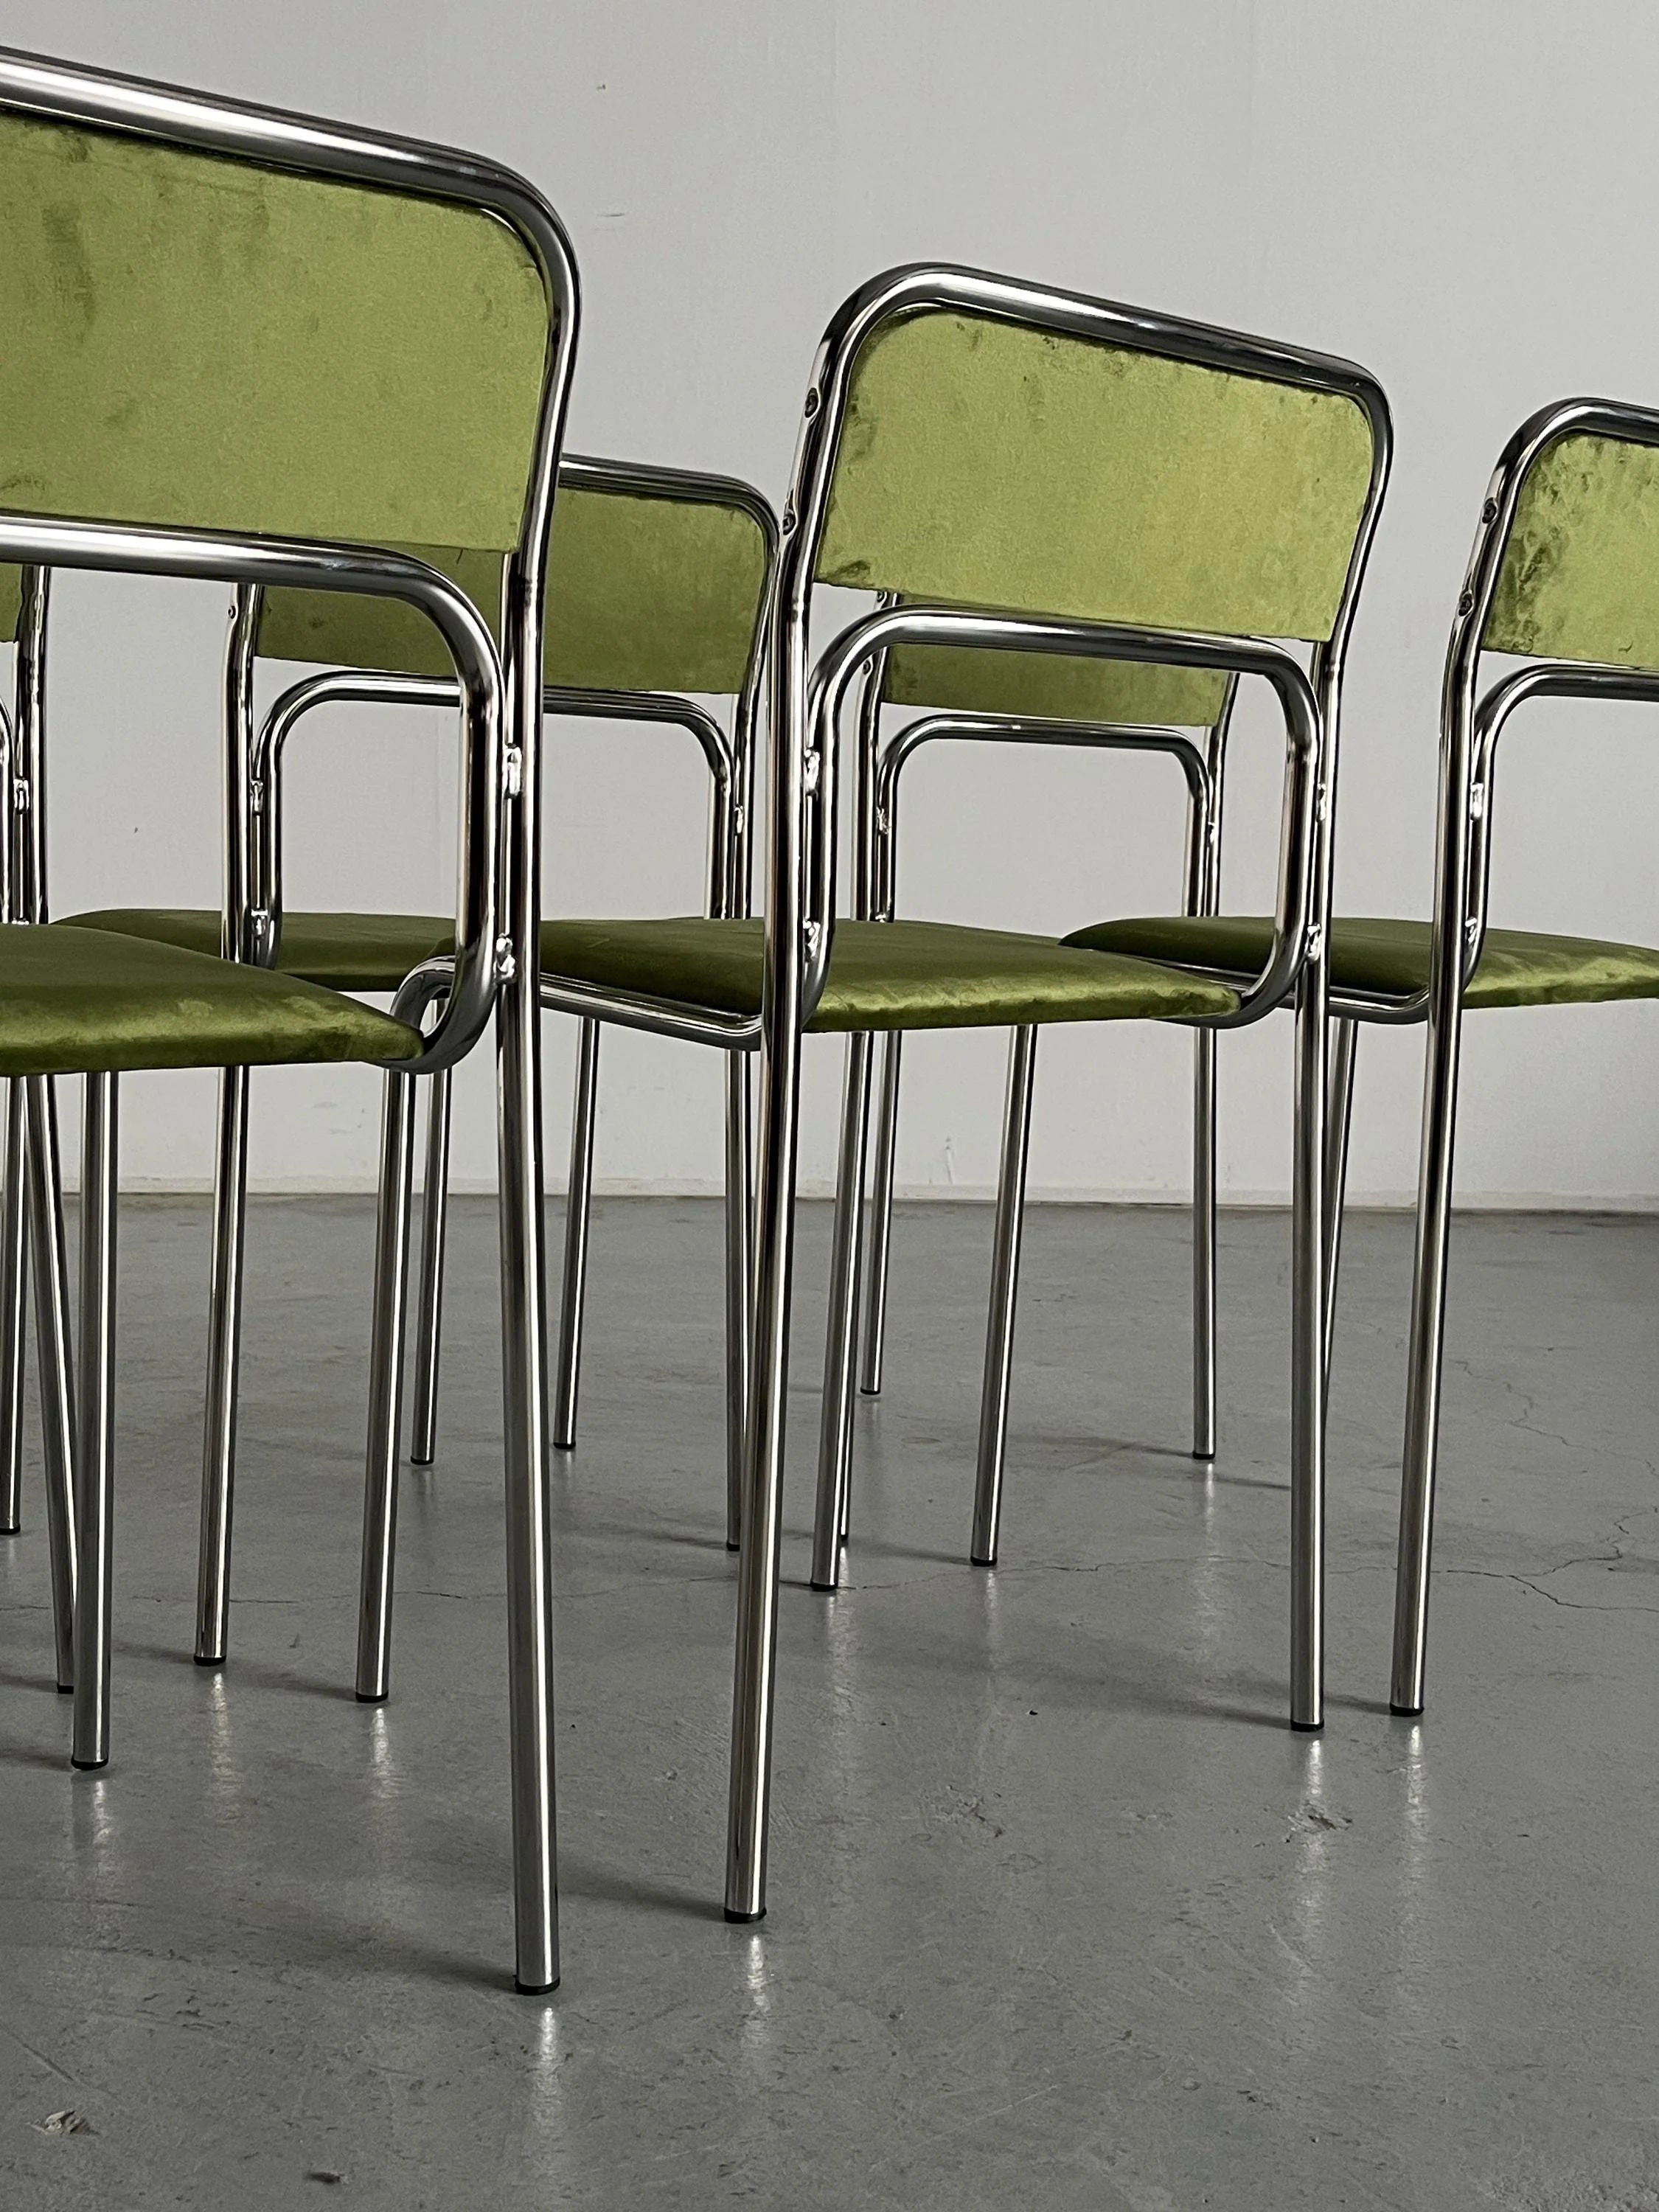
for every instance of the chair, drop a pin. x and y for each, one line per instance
(656, 583)
(268, 416)
(1561, 576)
(1020, 699)
(1113, 484)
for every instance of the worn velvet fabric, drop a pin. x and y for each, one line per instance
(882, 975)
(85, 1002)
(988, 464)
(11, 600)
(1518, 966)
(346, 952)
(196, 341)
(1052, 687)
(1579, 574)
(643, 594)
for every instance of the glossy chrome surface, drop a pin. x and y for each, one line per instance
(498, 905)
(1469, 735)
(1005, 1290)
(429, 1320)
(1203, 896)
(38, 1197)
(14, 1261)
(1308, 1351)
(95, 1462)
(238, 942)
(388, 1321)
(49, 1272)
(577, 1211)
(1339, 1122)
(800, 903)
(835, 1427)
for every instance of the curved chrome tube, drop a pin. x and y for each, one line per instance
(1297, 913)
(314, 566)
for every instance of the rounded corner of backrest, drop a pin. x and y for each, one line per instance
(656, 586)
(329, 357)
(985, 458)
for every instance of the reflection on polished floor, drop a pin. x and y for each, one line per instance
(1061, 1915)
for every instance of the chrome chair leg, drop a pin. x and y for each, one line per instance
(878, 1250)
(94, 1472)
(385, 1370)
(836, 1425)
(1345, 1047)
(49, 1272)
(224, 1363)
(1308, 1262)
(578, 1209)
(1426, 1350)
(529, 1496)
(754, 1667)
(14, 1265)
(1005, 1290)
(434, 1222)
(739, 1241)
(1204, 1243)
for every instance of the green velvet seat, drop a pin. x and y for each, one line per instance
(79, 1000)
(1518, 966)
(882, 975)
(346, 952)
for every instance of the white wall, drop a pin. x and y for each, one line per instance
(1460, 196)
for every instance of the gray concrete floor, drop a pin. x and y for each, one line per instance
(1062, 1915)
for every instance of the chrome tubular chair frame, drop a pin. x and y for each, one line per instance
(1471, 725)
(494, 969)
(800, 919)
(1201, 767)
(730, 761)
(31, 1216)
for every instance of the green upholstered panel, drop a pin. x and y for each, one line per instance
(197, 341)
(988, 464)
(11, 597)
(882, 975)
(1052, 687)
(347, 952)
(1580, 579)
(341, 632)
(1518, 966)
(82, 1001)
(644, 594)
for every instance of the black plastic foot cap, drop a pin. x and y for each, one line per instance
(535, 1988)
(364, 1698)
(1407, 1712)
(202, 1661)
(827, 1590)
(1307, 1728)
(734, 1548)
(87, 1765)
(66, 1689)
(745, 1919)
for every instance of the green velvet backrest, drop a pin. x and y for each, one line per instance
(11, 602)
(988, 463)
(644, 593)
(1052, 687)
(196, 341)
(1580, 579)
